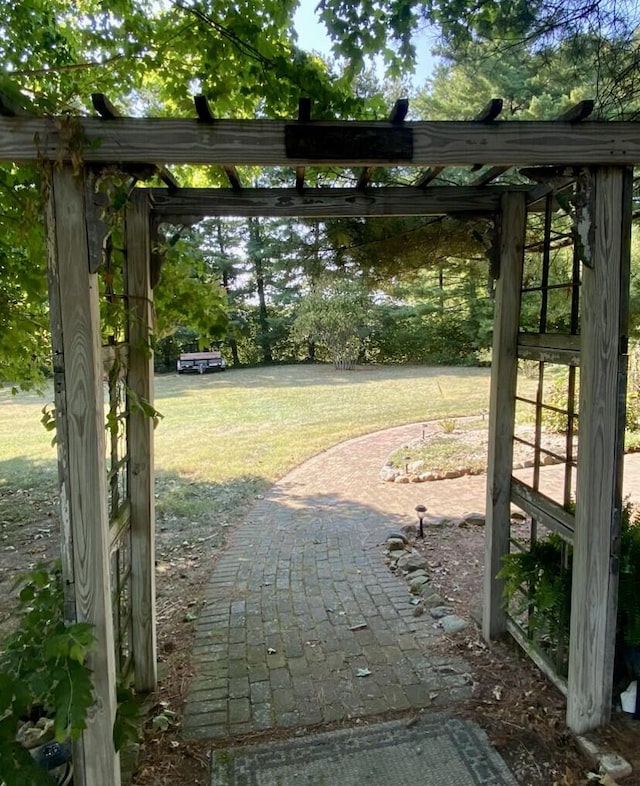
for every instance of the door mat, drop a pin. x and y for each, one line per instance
(435, 751)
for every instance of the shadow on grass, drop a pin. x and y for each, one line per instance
(184, 508)
(188, 509)
(28, 489)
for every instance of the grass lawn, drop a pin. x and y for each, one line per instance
(226, 437)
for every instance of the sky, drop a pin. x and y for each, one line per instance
(313, 37)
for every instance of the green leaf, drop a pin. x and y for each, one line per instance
(129, 718)
(6, 692)
(72, 698)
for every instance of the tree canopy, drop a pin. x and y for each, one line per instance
(152, 57)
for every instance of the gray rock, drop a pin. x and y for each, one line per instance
(451, 522)
(415, 573)
(475, 519)
(415, 586)
(389, 474)
(415, 467)
(453, 624)
(397, 535)
(431, 598)
(414, 562)
(615, 766)
(395, 544)
(438, 612)
(402, 479)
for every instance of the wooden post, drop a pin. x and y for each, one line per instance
(602, 408)
(79, 397)
(140, 444)
(504, 366)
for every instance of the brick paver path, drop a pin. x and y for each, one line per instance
(302, 600)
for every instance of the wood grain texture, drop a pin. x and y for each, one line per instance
(534, 653)
(502, 409)
(192, 204)
(140, 443)
(543, 509)
(81, 436)
(598, 494)
(550, 348)
(262, 142)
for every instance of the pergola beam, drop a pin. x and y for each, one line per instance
(205, 115)
(574, 114)
(108, 111)
(396, 117)
(262, 142)
(192, 204)
(486, 115)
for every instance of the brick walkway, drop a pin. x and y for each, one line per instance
(302, 600)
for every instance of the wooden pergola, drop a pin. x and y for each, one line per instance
(108, 536)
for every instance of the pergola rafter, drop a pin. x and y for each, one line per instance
(601, 154)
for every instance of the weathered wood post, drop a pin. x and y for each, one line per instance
(140, 443)
(79, 400)
(605, 230)
(504, 367)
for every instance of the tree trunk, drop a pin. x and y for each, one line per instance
(255, 253)
(233, 344)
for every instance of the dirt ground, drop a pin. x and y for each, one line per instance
(521, 711)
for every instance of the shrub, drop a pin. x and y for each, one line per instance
(43, 672)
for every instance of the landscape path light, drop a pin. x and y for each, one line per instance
(421, 512)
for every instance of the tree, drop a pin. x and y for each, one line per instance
(337, 316)
(189, 295)
(24, 321)
(145, 57)
(609, 30)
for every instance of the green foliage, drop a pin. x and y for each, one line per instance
(42, 668)
(336, 316)
(24, 324)
(129, 718)
(538, 583)
(417, 334)
(538, 580)
(190, 296)
(139, 404)
(448, 425)
(629, 580)
(556, 389)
